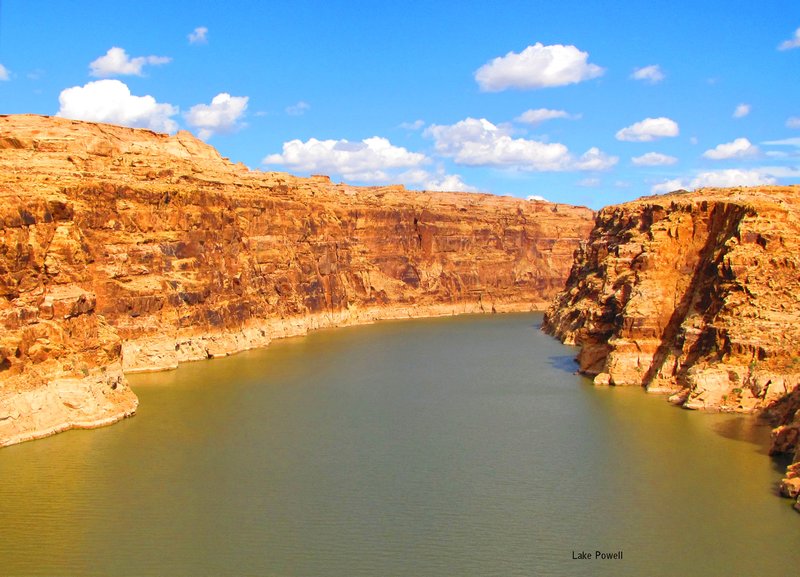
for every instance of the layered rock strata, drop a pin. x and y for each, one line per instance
(695, 294)
(126, 250)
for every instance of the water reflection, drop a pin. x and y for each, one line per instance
(566, 363)
(745, 428)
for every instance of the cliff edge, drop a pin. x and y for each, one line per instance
(698, 295)
(126, 250)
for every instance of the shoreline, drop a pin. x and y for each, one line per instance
(64, 404)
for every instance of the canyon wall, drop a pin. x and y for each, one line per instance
(126, 250)
(697, 295)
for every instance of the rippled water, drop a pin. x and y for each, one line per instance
(448, 447)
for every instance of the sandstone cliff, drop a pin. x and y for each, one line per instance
(125, 250)
(696, 294)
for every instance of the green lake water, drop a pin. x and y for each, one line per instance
(449, 447)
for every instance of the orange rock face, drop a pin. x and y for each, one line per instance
(125, 250)
(696, 294)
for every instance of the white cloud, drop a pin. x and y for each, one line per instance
(450, 182)
(111, 101)
(739, 148)
(721, 178)
(416, 125)
(648, 130)
(4, 73)
(741, 111)
(536, 197)
(594, 159)
(116, 62)
(476, 142)
(298, 109)
(795, 141)
(198, 35)
(791, 43)
(793, 122)
(537, 115)
(668, 186)
(220, 117)
(537, 66)
(653, 159)
(440, 181)
(780, 171)
(732, 177)
(651, 74)
(367, 160)
(451, 139)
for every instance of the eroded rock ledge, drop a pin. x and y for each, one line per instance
(698, 295)
(125, 250)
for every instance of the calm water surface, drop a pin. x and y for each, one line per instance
(449, 447)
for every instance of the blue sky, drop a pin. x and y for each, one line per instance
(588, 103)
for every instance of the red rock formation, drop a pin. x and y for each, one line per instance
(696, 294)
(125, 250)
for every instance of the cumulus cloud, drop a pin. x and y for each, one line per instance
(116, 62)
(439, 181)
(594, 159)
(648, 130)
(449, 183)
(538, 115)
(741, 111)
(793, 122)
(793, 42)
(298, 109)
(476, 142)
(651, 74)
(198, 35)
(451, 140)
(4, 73)
(739, 148)
(653, 159)
(669, 186)
(732, 177)
(720, 178)
(220, 117)
(537, 66)
(536, 197)
(111, 101)
(367, 160)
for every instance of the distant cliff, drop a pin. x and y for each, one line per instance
(125, 250)
(696, 294)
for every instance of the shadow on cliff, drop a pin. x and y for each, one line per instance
(723, 223)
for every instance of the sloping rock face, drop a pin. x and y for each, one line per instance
(126, 250)
(696, 294)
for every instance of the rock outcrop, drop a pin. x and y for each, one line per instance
(126, 250)
(695, 294)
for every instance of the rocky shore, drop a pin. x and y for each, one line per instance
(125, 250)
(696, 295)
